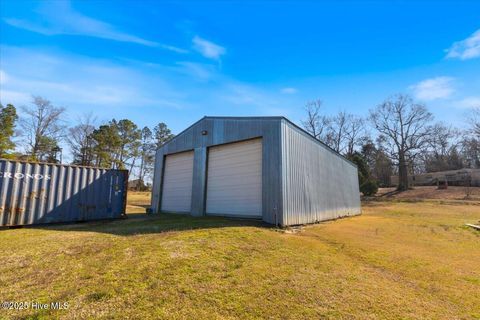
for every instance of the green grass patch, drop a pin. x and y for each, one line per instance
(397, 260)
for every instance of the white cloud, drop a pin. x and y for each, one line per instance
(3, 77)
(466, 49)
(207, 48)
(59, 18)
(15, 97)
(470, 102)
(289, 90)
(434, 88)
(197, 70)
(93, 84)
(138, 90)
(172, 48)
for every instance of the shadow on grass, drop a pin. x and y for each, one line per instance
(145, 206)
(136, 224)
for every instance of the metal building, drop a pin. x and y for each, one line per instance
(37, 193)
(257, 167)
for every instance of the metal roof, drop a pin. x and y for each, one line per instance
(266, 118)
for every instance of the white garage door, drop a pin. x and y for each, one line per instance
(177, 182)
(234, 183)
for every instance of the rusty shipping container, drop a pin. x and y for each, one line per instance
(38, 193)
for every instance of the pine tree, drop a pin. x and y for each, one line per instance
(8, 117)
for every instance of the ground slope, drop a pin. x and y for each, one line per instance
(397, 260)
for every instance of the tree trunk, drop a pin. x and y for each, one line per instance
(35, 149)
(140, 173)
(402, 173)
(142, 164)
(132, 166)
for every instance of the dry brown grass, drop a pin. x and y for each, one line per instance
(137, 202)
(431, 192)
(396, 261)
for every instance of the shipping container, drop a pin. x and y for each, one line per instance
(39, 193)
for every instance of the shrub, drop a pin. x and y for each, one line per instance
(369, 188)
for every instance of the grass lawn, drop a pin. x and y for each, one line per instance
(397, 260)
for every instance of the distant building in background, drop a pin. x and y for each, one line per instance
(138, 185)
(452, 177)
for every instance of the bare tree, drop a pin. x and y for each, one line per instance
(470, 144)
(470, 150)
(442, 138)
(345, 132)
(475, 121)
(355, 133)
(404, 126)
(441, 150)
(316, 124)
(147, 155)
(80, 141)
(42, 126)
(342, 132)
(336, 132)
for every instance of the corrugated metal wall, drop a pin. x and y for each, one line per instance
(222, 130)
(33, 193)
(303, 181)
(318, 183)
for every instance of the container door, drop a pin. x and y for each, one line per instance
(177, 183)
(234, 183)
(119, 192)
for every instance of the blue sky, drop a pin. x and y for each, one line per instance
(176, 62)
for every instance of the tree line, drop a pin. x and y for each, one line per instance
(116, 144)
(397, 137)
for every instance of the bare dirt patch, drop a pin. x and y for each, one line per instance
(426, 193)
